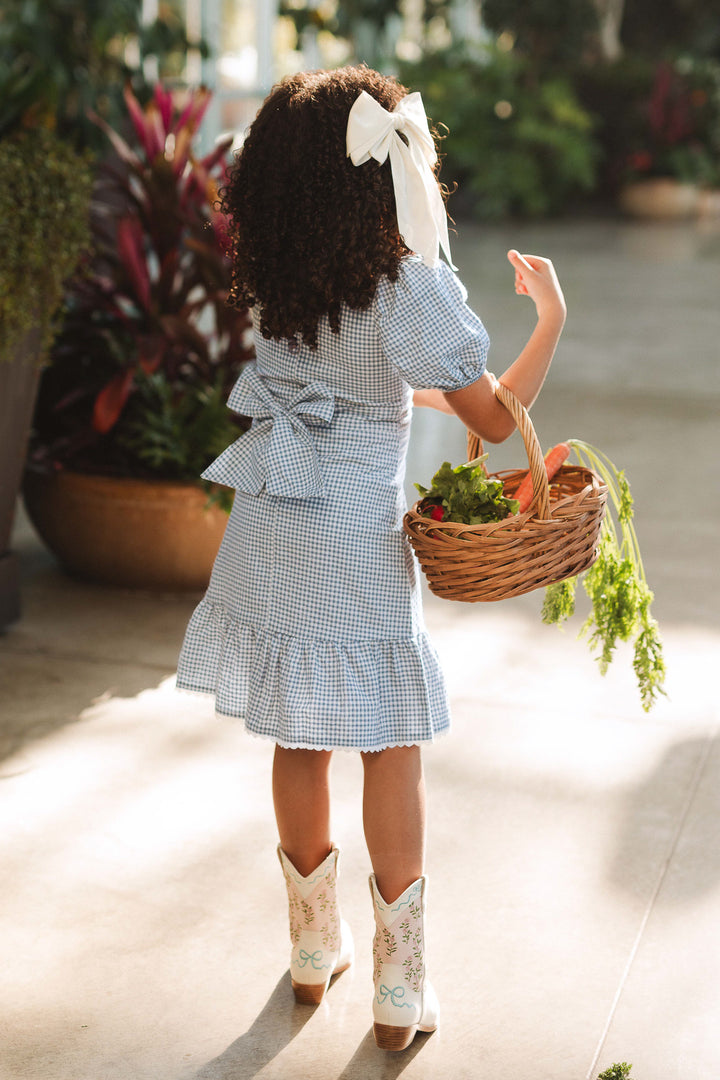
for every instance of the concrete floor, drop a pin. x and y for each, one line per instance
(573, 840)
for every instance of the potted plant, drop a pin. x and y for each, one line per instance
(44, 196)
(132, 408)
(670, 162)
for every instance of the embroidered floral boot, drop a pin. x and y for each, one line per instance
(321, 940)
(404, 1000)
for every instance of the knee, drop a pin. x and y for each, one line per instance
(307, 761)
(392, 757)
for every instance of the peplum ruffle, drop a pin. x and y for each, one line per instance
(293, 690)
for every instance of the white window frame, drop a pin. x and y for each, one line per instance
(203, 20)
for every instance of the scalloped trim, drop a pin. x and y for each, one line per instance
(351, 749)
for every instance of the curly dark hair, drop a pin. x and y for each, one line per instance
(310, 230)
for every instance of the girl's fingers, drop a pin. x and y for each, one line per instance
(534, 263)
(520, 266)
(518, 260)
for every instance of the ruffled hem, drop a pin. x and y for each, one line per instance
(315, 694)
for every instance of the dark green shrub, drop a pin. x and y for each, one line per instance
(44, 199)
(548, 32)
(60, 57)
(515, 145)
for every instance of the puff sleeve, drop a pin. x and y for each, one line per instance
(427, 329)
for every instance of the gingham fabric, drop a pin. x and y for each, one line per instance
(311, 629)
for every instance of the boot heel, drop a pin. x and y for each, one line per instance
(309, 993)
(393, 1038)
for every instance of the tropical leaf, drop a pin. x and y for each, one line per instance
(111, 401)
(130, 242)
(121, 148)
(195, 110)
(163, 99)
(138, 118)
(156, 130)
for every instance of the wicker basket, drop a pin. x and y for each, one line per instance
(554, 539)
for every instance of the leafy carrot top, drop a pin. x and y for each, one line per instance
(616, 585)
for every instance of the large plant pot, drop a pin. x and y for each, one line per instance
(117, 531)
(19, 375)
(660, 199)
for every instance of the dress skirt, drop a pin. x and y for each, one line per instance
(311, 630)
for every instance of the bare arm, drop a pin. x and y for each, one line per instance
(433, 399)
(476, 405)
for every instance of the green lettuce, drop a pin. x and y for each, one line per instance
(467, 494)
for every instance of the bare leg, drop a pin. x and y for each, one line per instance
(394, 817)
(301, 794)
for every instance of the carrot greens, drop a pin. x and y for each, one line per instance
(618, 1071)
(616, 585)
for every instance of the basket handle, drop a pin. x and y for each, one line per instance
(536, 461)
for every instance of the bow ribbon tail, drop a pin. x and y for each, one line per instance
(421, 214)
(239, 466)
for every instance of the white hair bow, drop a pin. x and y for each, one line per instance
(372, 131)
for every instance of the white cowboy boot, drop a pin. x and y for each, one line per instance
(321, 940)
(404, 1000)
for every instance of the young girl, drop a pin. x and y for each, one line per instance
(311, 629)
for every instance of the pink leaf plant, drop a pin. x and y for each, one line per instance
(152, 300)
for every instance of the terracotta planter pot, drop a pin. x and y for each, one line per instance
(660, 199)
(137, 533)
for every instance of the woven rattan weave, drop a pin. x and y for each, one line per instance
(554, 539)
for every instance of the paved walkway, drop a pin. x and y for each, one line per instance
(573, 852)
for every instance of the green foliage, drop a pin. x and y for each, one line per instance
(616, 594)
(548, 32)
(376, 12)
(616, 1072)
(672, 28)
(173, 435)
(44, 201)
(60, 57)
(515, 146)
(616, 585)
(559, 601)
(467, 495)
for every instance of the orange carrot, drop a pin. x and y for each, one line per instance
(553, 460)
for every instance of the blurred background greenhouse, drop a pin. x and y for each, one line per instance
(551, 104)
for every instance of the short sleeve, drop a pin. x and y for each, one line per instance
(427, 329)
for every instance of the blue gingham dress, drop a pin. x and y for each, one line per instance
(311, 629)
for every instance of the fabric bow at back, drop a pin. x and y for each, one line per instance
(278, 452)
(373, 132)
